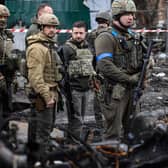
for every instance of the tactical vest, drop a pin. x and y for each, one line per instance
(81, 65)
(5, 46)
(91, 38)
(52, 70)
(128, 51)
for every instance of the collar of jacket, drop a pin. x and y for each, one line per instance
(120, 30)
(83, 44)
(117, 31)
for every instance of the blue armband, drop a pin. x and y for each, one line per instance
(103, 55)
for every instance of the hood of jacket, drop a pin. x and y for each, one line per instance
(40, 38)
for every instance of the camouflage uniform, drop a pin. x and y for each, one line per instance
(119, 59)
(103, 19)
(7, 66)
(43, 74)
(79, 60)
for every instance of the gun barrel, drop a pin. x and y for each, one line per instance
(138, 90)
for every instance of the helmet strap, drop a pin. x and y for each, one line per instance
(117, 17)
(126, 27)
(41, 27)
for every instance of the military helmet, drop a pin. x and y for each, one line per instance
(121, 6)
(4, 11)
(48, 19)
(103, 15)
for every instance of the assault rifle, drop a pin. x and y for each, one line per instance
(65, 85)
(66, 89)
(138, 90)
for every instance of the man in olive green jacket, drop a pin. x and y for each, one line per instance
(103, 20)
(119, 55)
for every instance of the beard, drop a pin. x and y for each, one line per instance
(3, 24)
(78, 40)
(51, 34)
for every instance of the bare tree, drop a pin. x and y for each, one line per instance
(147, 12)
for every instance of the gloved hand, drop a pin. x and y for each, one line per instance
(133, 79)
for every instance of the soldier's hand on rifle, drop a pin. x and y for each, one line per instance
(133, 79)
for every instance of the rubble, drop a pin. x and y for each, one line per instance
(146, 145)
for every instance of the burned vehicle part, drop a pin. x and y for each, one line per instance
(150, 151)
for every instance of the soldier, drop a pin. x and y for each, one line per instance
(43, 74)
(7, 63)
(78, 64)
(103, 20)
(34, 28)
(119, 55)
